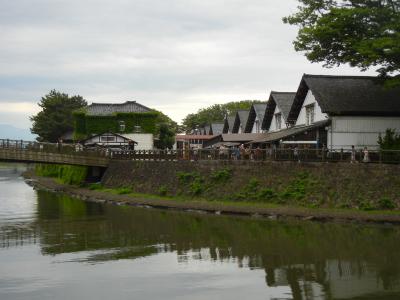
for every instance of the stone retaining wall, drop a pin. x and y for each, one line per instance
(309, 184)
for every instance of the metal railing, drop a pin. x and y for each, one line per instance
(279, 154)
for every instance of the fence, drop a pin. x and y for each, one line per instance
(300, 155)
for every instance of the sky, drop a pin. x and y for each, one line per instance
(172, 55)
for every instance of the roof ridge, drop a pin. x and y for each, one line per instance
(343, 76)
(276, 92)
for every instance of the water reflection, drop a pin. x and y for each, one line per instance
(313, 260)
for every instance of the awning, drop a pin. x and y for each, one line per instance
(276, 136)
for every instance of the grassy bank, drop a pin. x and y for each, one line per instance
(66, 174)
(126, 196)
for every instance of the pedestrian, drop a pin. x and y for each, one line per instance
(236, 153)
(366, 155)
(296, 153)
(353, 155)
(242, 151)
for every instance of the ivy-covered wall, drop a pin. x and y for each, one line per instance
(85, 125)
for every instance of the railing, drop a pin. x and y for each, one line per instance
(279, 154)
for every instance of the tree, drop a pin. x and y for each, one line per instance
(55, 118)
(362, 33)
(215, 113)
(391, 140)
(166, 137)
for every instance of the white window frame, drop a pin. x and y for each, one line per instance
(310, 114)
(278, 121)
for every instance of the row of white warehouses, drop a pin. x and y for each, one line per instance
(336, 111)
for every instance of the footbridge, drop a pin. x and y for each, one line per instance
(23, 151)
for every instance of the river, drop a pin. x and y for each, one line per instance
(56, 247)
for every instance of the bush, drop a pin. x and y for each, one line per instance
(162, 190)
(187, 177)
(95, 186)
(221, 176)
(386, 203)
(124, 191)
(65, 173)
(196, 187)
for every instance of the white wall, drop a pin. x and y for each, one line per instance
(318, 114)
(145, 140)
(255, 129)
(272, 127)
(359, 131)
(97, 139)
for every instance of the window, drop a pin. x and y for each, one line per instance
(257, 126)
(122, 126)
(138, 129)
(107, 138)
(310, 114)
(278, 121)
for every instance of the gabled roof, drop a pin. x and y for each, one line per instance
(283, 100)
(228, 124)
(241, 119)
(216, 128)
(348, 95)
(106, 109)
(108, 134)
(256, 110)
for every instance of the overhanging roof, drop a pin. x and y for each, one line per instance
(278, 135)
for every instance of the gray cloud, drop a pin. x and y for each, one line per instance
(173, 55)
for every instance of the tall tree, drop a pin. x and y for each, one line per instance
(166, 137)
(215, 113)
(362, 33)
(55, 118)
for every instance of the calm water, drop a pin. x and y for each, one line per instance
(56, 247)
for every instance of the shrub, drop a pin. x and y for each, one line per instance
(366, 205)
(221, 176)
(196, 187)
(162, 190)
(266, 194)
(386, 203)
(95, 186)
(187, 177)
(124, 191)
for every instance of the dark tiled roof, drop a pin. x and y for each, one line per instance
(284, 100)
(216, 128)
(106, 109)
(241, 119)
(348, 95)
(228, 124)
(256, 110)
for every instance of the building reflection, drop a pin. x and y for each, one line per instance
(317, 261)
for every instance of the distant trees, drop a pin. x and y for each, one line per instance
(55, 118)
(362, 33)
(215, 113)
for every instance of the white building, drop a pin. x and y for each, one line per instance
(256, 118)
(358, 109)
(240, 123)
(278, 108)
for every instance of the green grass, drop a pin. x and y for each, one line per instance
(66, 174)
(245, 204)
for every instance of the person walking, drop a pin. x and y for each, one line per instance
(353, 155)
(366, 155)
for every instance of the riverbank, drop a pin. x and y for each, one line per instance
(252, 209)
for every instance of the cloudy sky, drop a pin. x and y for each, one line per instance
(172, 55)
